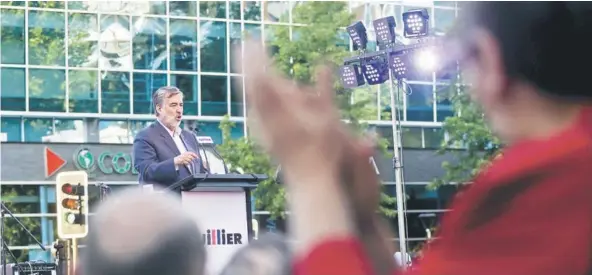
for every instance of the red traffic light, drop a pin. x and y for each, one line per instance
(71, 204)
(75, 190)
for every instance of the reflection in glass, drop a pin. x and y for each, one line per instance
(11, 127)
(443, 104)
(47, 4)
(136, 126)
(443, 20)
(12, 36)
(145, 84)
(277, 11)
(235, 45)
(115, 93)
(46, 38)
(183, 43)
(67, 130)
(13, 3)
(83, 91)
(183, 8)
(12, 89)
(214, 95)
(111, 131)
(47, 90)
(115, 43)
(212, 9)
(236, 96)
(37, 128)
(82, 48)
(411, 137)
(253, 31)
(213, 46)
(420, 103)
(433, 137)
(188, 84)
(149, 43)
(250, 9)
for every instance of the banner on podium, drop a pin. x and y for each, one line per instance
(222, 217)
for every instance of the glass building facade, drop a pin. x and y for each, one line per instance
(84, 72)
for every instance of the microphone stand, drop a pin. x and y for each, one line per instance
(4, 210)
(215, 152)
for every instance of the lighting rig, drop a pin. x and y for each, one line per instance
(392, 62)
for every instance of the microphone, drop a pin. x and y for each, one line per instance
(194, 131)
(214, 151)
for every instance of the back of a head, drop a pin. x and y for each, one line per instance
(546, 44)
(144, 234)
(269, 255)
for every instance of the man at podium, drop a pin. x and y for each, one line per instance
(163, 152)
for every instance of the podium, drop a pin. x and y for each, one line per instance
(221, 206)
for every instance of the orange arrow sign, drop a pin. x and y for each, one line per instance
(53, 162)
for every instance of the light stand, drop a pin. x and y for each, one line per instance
(4, 210)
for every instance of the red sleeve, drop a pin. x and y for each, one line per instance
(341, 256)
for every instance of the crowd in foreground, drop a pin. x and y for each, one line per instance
(529, 212)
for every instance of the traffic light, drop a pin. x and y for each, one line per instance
(72, 204)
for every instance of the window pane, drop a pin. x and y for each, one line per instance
(112, 131)
(211, 129)
(419, 102)
(253, 31)
(236, 96)
(433, 137)
(188, 84)
(68, 130)
(115, 43)
(183, 43)
(411, 137)
(443, 20)
(443, 105)
(47, 90)
(183, 8)
(213, 46)
(276, 11)
(81, 48)
(385, 102)
(13, 3)
(12, 36)
(138, 125)
(12, 128)
(84, 91)
(144, 85)
(46, 38)
(236, 36)
(212, 9)
(250, 9)
(47, 4)
(115, 93)
(12, 89)
(156, 7)
(149, 43)
(36, 129)
(214, 95)
(444, 3)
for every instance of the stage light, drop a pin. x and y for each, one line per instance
(398, 64)
(357, 33)
(416, 23)
(385, 30)
(375, 71)
(426, 60)
(351, 76)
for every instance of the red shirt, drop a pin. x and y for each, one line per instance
(529, 213)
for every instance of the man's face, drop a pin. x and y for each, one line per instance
(171, 111)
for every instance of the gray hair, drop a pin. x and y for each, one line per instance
(269, 255)
(162, 93)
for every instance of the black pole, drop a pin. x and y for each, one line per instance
(5, 210)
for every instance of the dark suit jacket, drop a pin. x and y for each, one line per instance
(154, 151)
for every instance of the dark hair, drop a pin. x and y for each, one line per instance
(180, 251)
(547, 44)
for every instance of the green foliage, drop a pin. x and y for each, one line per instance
(13, 233)
(467, 131)
(318, 42)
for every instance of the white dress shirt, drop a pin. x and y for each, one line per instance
(176, 135)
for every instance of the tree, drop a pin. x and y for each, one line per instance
(319, 40)
(469, 132)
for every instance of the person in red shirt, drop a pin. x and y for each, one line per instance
(529, 212)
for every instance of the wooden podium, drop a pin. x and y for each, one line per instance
(221, 205)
